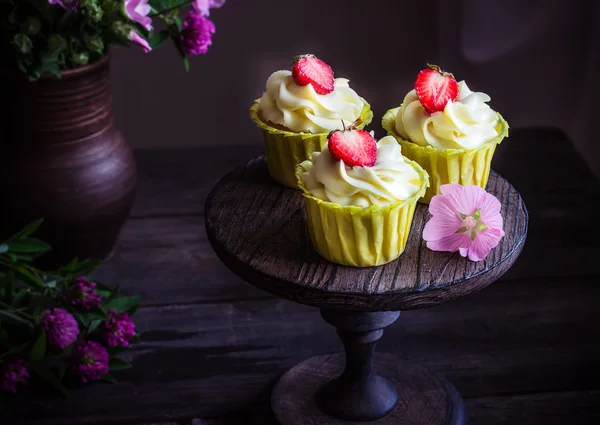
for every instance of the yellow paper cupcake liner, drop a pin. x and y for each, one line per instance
(357, 236)
(286, 149)
(466, 167)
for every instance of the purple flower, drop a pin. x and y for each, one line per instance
(13, 374)
(197, 33)
(83, 294)
(89, 361)
(60, 326)
(137, 11)
(135, 37)
(118, 329)
(203, 6)
(65, 4)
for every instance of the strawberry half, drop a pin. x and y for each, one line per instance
(435, 88)
(308, 69)
(354, 147)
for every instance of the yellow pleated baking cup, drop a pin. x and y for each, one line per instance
(466, 167)
(359, 236)
(286, 149)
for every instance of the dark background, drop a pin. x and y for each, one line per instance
(537, 59)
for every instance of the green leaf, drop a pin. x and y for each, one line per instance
(109, 378)
(186, 64)
(3, 248)
(28, 245)
(158, 38)
(94, 325)
(3, 335)
(162, 6)
(47, 375)
(124, 303)
(27, 230)
(39, 348)
(29, 276)
(10, 317)
(116, 363)
(114, 292)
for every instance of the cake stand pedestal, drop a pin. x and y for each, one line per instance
(257, 229)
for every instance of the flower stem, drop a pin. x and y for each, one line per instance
(14, 310)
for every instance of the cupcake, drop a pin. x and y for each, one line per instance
(298, 110)
(448, 129)
(360, 198)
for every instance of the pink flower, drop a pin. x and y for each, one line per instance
(13, 374)
(65, 4)
(203, 6)
(89, 361)
(60, 326)
(465, 219)
(134, 36)
(83, 294)
(196, 34)
(137, 11)
(118, 329)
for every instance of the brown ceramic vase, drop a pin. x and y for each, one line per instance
(62, 158)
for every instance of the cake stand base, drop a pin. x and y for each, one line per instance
(424, 398)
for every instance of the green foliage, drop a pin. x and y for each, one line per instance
(26, 292)
(37, 37)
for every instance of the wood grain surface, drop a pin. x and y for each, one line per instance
(257, 228)
(423, 397)
(524, 351)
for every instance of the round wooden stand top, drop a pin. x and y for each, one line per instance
(257, 228)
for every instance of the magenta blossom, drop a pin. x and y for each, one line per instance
(134, 36)
(13, 374)
(83, 294)
(89, 361)
(60, 326)
(137, 11)
(118, 329)
(65, 4)
(196, 35)
(465, 219)
(203, 6)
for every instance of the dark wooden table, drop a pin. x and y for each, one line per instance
(524, 351)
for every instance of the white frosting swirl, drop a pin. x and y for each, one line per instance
(466, 123)
(302, 109)
(390, 180)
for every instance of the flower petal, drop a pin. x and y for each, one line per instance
(483, 244)
(451, 243)
(490, 212)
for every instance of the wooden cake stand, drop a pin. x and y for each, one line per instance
(257, 229)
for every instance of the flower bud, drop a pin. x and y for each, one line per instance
(95, 44)
(57, 43)
(80, 58)
(32, 25)
(23, 43)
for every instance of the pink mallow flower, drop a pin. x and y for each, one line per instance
(60, 326)
(13, 374)
(83, 294)
(118, 329)
(465, 219)
(203, 6)
(65, 4)
(137, 11)
(135, 37)
(89, 361)
(196, 35)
